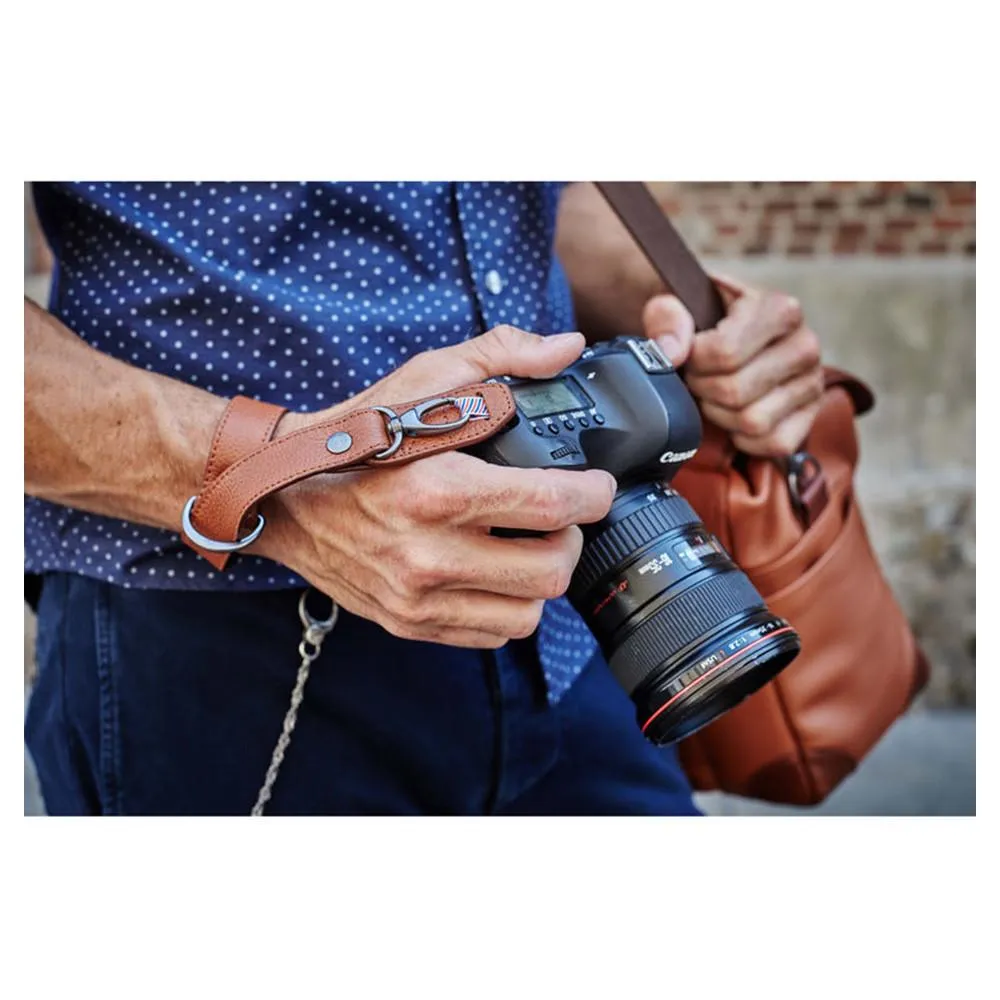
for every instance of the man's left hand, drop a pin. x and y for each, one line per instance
(757, 374)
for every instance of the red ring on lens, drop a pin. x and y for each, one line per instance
(708, 673)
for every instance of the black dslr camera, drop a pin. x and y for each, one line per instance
(684, 630)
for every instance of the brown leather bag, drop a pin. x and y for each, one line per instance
(795, 529)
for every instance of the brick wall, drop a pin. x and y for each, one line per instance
(785, 218)
(824, 218)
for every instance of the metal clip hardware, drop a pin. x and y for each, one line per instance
(806, 485)
(212, 544)
(314, 631)
(410, 423)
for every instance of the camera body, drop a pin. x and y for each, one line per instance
(684, 630)
(620, 407)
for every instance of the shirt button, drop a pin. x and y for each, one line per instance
(494, 283)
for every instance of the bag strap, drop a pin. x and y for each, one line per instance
(684, 276)
(656, 236)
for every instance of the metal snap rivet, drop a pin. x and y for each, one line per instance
(339, 443)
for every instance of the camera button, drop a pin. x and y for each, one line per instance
(537, 429)
(553, 428)
(569, 425)
(584, 422)
(598, 419)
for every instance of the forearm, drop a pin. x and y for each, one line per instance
(610, 279)
(106, 437)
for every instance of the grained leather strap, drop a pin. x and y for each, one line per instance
(397, 433)
(246, 424)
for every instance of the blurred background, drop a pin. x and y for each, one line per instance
(886, 274)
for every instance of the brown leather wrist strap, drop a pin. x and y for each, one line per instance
(215, 523)
(246, 424)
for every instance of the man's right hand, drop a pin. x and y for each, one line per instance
(410, 547)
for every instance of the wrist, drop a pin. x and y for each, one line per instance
(185, 419)
(292, 421)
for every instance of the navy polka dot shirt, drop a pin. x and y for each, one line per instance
(301, 294)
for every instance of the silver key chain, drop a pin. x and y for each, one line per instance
(314, 631)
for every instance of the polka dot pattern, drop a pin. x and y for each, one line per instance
(301, 294)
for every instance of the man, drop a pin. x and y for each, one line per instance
(457, 678)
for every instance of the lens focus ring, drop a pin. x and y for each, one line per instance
(621, 541)
(688, 616)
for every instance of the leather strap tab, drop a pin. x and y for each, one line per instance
(400, 433)
(245, 425)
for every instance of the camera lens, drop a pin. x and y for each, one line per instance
(683, 628)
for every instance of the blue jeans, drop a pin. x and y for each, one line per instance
(170, 702)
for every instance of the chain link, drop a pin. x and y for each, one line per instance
(314, 631)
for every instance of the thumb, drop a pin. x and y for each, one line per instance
(506, 350)
(667, 321)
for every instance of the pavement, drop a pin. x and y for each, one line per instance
(924, 766)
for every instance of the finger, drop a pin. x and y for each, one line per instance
(532, 568)
(762, 417)
(536, 568)
(466, 610)
(352, 599)
(787, 438)
(666, 320)
(458, 489)
(793, 355)
(731, 288)
(506, 350)
(538, 499)
(463, 637)
(752, 323)
(494, 614)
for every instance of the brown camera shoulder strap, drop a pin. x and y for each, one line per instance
(684, 276)
(656, 236)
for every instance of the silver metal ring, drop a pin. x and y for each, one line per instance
(210, 544)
